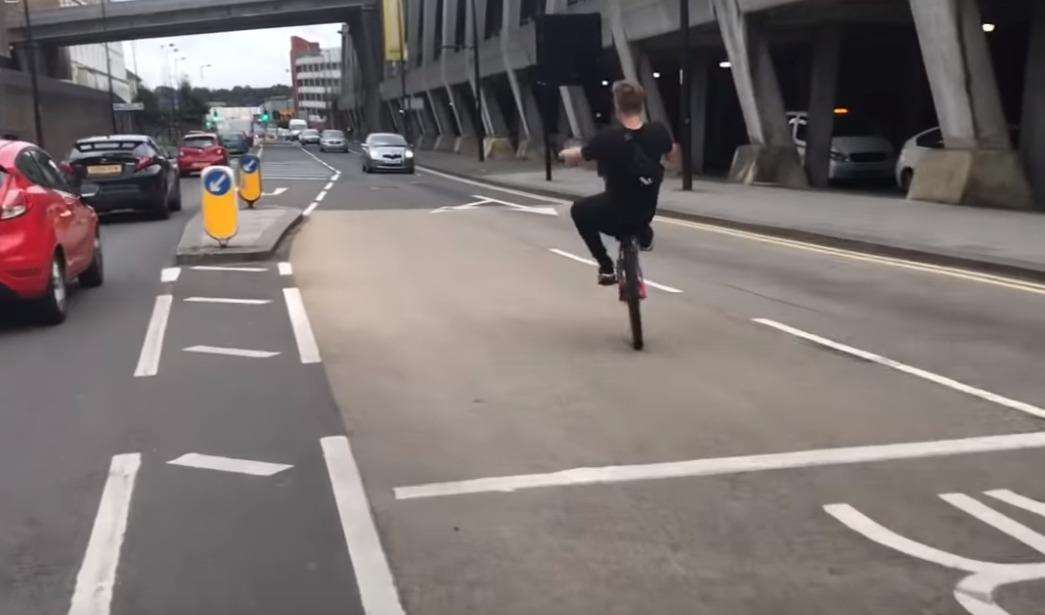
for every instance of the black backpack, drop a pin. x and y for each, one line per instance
(643, 173)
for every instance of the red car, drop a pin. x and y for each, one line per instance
(48, 235)
(199, 150)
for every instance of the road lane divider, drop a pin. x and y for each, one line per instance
(719, 466)
(377, 590)
(228, 300)
(334, 170)
(232, 352)
(97, 575)
(592, 263)
(311, 208)
(152, 345)
(286, 269)
(305, 339)
(943, 381)
(229, 464)
(170, 274)
(223, 268)
(329, 185)
(322, 195)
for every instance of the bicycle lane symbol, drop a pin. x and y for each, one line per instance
(974, 592)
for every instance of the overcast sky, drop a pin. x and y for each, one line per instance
(251, 57)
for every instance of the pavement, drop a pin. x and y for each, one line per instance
(998, 240)
(260, 231)
(422, 403)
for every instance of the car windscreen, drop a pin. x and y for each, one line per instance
(309, 133)
(853, 126)
(384, 140)
(99, 149)
(198, 142)
(333, 134)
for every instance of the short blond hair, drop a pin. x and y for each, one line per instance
(629, 98)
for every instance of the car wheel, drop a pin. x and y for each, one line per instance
(94, 275)
(162, 209)
(176, 199)
(906, 177)
(52, 307)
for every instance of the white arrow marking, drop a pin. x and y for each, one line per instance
(229, 464)
(232, 352)
(275, 192)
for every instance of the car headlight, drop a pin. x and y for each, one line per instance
(373, 155)
(409, 154)
(838, 156)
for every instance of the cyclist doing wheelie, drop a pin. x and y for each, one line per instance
(629, 160)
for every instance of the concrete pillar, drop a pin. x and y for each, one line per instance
(1032, 126)
(510, 25)
(700, 65)
(578, 112)
(771, 157)
(532, 112)
(978, 165)
(364, 24)
(654, 102)
(827, 42)
(4, 38)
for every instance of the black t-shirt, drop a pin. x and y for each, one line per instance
(614, 149)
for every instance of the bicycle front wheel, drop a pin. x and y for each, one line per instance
(632, 293)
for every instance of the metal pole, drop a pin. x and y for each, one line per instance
(403, 111)
(685, 104)
(31, 45)
(108, 68)
(478, 85)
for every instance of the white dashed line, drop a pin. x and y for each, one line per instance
(286, 269)
(311, 208)
(907, 369)
(152, 346)
(97, 576)
(306, 340)
(322, 195)
(592, 263)
(170, 274)
(227, 300)
(328, 186)
(239, 269)
(229, 464)
(232, 352)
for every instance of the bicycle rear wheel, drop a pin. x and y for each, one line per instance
(632, 294)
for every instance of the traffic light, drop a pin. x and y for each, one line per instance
(264, 118)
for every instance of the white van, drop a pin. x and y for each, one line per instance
(296, 126)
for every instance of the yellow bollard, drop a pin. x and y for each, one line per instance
(220, 209)
(250, 179)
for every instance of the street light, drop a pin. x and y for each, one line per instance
(31, 46)
(201, 71)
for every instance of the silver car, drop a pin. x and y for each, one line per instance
(383, 151)
(333, 141)
(309, 136)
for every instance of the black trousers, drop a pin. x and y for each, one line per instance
(597, 214)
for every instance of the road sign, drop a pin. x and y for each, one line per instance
(135, 106)
(220, 209)
(250, 179)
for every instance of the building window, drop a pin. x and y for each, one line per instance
(459, 25)
(494, 16)
(437, 39)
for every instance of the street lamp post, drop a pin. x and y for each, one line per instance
(108, 68)
(685, 104)
(478, 85)
(33, 80)
(201, 72)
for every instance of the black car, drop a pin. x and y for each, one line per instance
(236, 143)
(131, 171)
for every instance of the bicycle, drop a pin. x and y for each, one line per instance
(632, 287)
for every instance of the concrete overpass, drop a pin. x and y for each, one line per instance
(136, 19)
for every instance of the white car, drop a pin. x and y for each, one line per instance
(858, 151)
(915, 148)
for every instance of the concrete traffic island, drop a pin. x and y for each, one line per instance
(260, 231)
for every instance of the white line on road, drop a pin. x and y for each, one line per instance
(97, 576)
(588, 261)
(377, 590)
(286, 268)
(994, 518)
(729, 465)
(329, 185)
(322, 195)
(320, 161)
(306, 340)
(152, 345)
(275, 192)
(311, 208)
(220, 268)
(232, 352)
(336, 176)
(1017, 500)
(170, 274)
(227, 300)
(229, 464)
(1001, 400)
(530, 195)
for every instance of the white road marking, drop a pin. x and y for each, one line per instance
(718, 466)
(170, 274)
(377, 589)
(994, 518)
(336, 176)
(97, 576)
(275, 192)
(306, 340)
(152, 345)
(329, 185)
(1017, 500)
(954, 272)
(229, 464)
(592, 263)
(232, 352)
(320, 161)
(220, 268)
(322, 195)
(227, 300)
(311, 208)
(286, 268)
(309, 178)
(1001, 400)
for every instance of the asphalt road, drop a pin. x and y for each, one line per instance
(807, 431)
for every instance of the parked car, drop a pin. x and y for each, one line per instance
(199, 151)
(333, 141)
(48, 235)
(858, 150)
(236, 143)
(309, 136)
(915, 148)
(131, 172)
(384, 151)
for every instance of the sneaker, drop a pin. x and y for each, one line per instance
(646, 239)
(607, 276)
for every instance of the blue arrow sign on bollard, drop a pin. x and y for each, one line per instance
(249, 164)
(217, 184)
